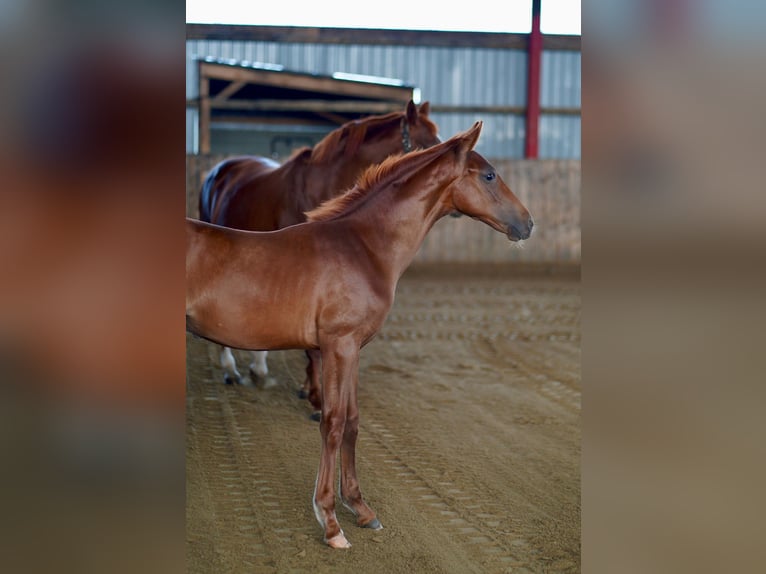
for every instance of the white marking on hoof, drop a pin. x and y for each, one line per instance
(230, 366)
(339, 541)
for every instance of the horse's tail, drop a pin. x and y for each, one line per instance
(209, 194)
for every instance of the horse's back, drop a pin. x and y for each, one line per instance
(226, 182)
(244, 289)
(200, 243)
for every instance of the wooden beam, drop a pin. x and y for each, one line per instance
(276, 121)
(381, 37)
(204, 114)
(228, 91)
(562, 42)
(560, 111)
(334, 118)
(440, 109)
(323, 106)
(305, 82)
(372, 107)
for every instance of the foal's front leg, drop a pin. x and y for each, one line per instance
(340, 360)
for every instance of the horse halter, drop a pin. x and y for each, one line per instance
(406, 143)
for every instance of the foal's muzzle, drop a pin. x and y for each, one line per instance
(518, 232)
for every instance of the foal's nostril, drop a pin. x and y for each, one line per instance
(524, 229)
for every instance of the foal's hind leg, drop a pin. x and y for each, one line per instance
(312, 389)
(231, 374)
(259, 366)
(259, 369)
(340, 360)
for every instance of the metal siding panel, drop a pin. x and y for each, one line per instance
(559, 137)
(574, 69)
(191, 70)
(502, 135)
(445, 76)
(560, 79)
(226, 50)
(238, 50)
(521, 80)
(249, 51)
(191, 130)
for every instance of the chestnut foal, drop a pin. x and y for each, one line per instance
(328, 284)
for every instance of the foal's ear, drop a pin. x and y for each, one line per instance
(412, 112)
(425, 109)
(469, 138)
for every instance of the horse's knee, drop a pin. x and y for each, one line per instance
(332, 426)
(351, 428)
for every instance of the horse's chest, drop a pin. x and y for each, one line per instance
(363, 311)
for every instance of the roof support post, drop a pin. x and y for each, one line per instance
(534, 54)
(204, 112)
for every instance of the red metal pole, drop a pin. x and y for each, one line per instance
(534, 54)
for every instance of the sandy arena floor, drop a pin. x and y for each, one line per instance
(469, 445)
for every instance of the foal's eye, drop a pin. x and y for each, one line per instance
(489, 176)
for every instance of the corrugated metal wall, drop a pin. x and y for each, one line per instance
(446, 76)
(559, 135)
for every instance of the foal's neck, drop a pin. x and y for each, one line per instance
(397, 220)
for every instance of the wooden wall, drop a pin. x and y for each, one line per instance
(549, 188)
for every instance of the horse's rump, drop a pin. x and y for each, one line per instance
(230, 175)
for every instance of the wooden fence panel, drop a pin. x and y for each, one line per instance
(549, 188)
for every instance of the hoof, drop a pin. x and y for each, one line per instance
(316, 416)
(230, 380)
(258, 373)
(338, 541)
(374, 524)
(302, 394)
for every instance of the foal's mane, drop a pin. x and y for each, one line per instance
(348, 137)
(375, 177)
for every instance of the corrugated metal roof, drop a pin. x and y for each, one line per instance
(445, 76)
(272, 67)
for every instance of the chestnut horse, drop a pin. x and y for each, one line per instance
(328, 284)
(258, 194)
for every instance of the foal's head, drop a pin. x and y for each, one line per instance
(479, 192)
